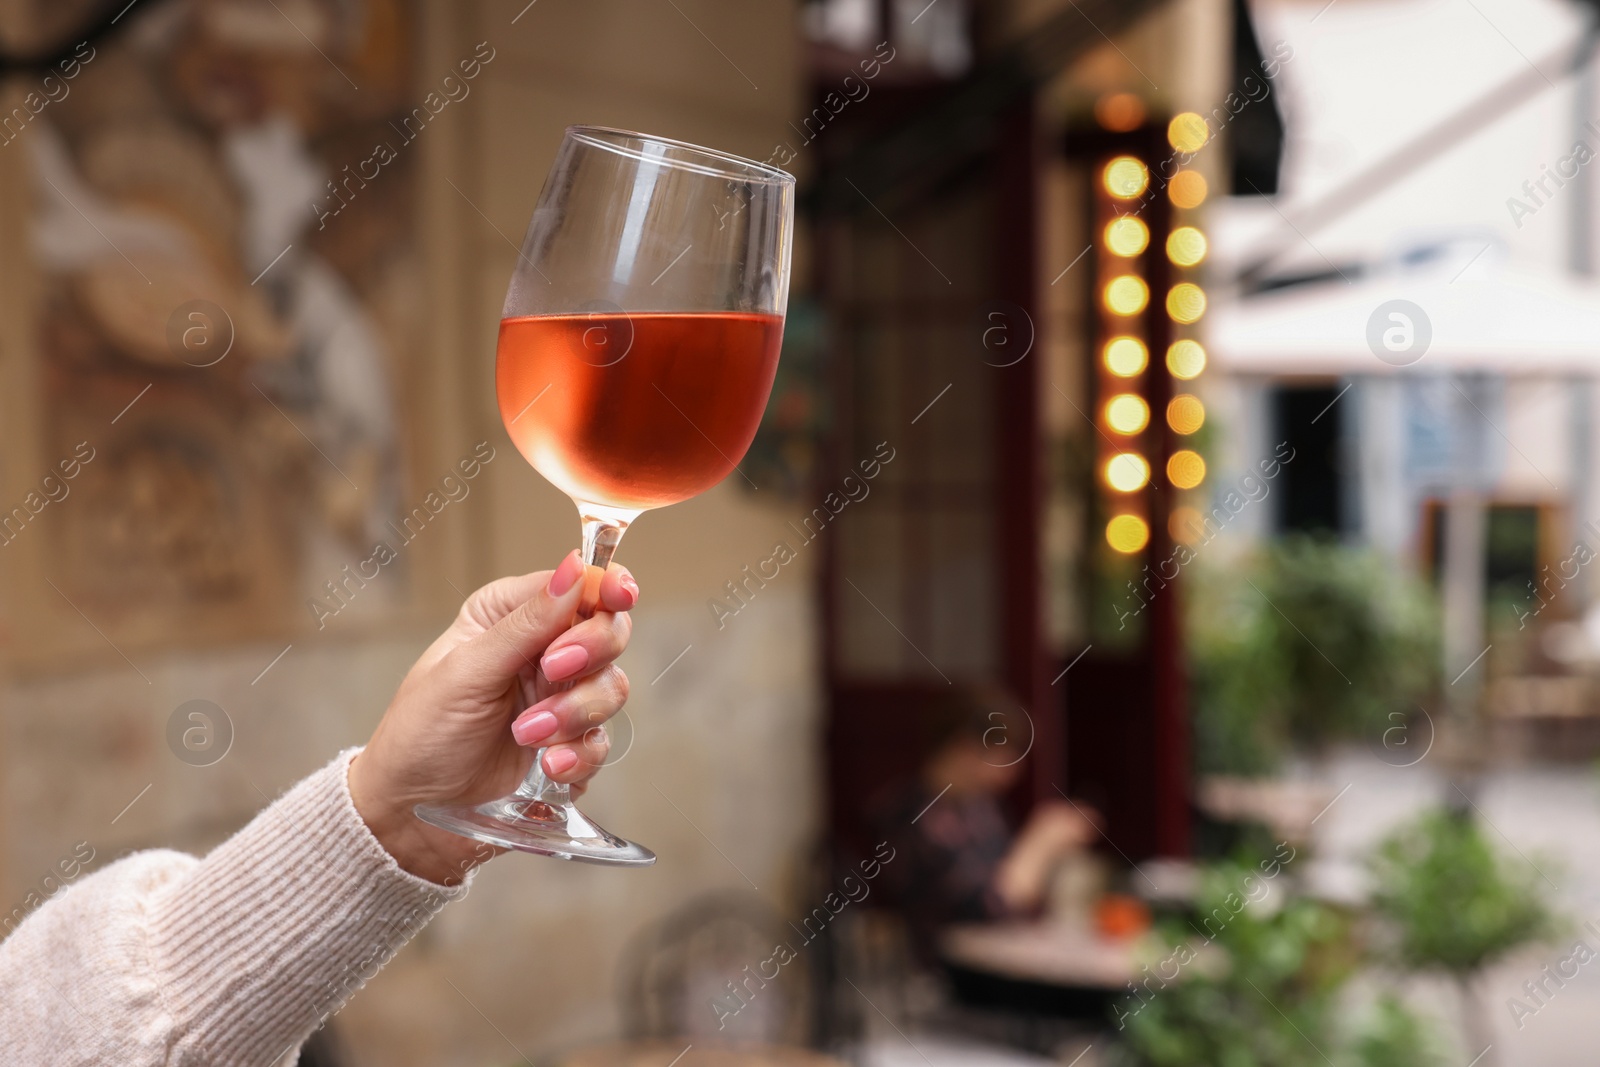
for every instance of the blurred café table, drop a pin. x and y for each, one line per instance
(680, 1052)
(1038, 968)
(1289, 808)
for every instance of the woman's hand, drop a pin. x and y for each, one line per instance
(491, 689)
(1056, 830)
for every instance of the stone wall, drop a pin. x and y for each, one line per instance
(720, 776)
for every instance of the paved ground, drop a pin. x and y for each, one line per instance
(1548, 818)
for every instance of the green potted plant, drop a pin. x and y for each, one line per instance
(1394, 1036)
(1248, 983)
(1453, 905)
(1304, 643)
(1255, 979)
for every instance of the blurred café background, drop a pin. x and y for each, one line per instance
(1197, 395)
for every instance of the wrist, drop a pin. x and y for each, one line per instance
(425, 851)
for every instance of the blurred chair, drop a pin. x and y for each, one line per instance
(1544, 718)
(702, 972)
(880, 1005)
(323, 1049)
(864, 967)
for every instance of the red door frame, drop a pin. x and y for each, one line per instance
(872, 729)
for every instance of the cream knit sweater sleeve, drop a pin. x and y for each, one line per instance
(234, 959)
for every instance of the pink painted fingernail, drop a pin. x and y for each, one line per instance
(566, 575)
(631, 587)
(563, 663)
(532, 727)
(560, 761)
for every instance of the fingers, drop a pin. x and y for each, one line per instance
(1087, 816)
(571, 725)
(618, 590)
(587, 647)
(580, 658)
(488, 660)
(567, 716)
(578, 760)
(493, 602)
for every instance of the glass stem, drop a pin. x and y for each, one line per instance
(603, 528)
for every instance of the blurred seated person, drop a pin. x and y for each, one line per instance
(957, 859)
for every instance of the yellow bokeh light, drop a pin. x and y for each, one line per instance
(1186, 359)
(1127, 471)
(1127, 236)
(1187, 132)
(1186, 246)
(1186, 302)
(1185, 469)
(1186, 525)
(1119, 112)
(1187, 189)
(1126, 413)
(1126, 294)
(1125, 177)
(1126, 356)
(1185, 413)
(1127, 533)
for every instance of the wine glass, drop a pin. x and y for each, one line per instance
(637, 349)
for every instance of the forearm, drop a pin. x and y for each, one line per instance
(1021, 879)
(235, 958)
(428, 852)
(277, 928)
(1054, 832)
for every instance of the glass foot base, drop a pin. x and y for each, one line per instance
(544, 829)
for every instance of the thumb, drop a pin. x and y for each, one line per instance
(494, 657)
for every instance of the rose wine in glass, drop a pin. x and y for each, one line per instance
(663, 424)
(637, 349)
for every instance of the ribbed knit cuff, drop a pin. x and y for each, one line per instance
(274, 930)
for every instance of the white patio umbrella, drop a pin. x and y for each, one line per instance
(1482, 316)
